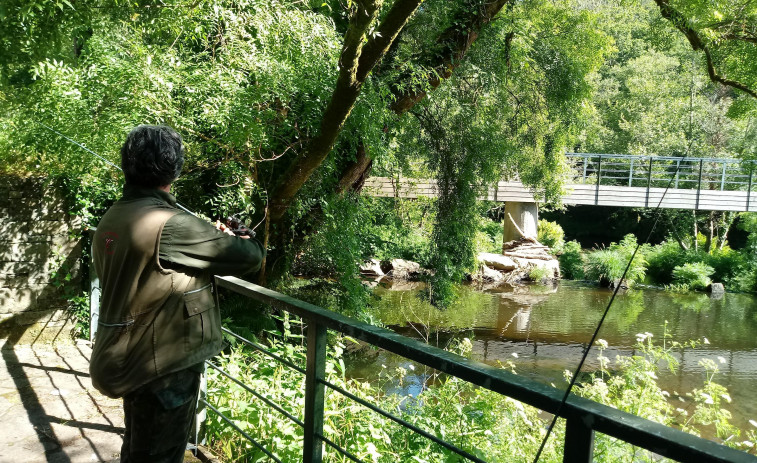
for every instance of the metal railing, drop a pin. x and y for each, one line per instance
(657, 171)
(583, 417)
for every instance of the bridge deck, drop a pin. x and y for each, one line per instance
(582, 194)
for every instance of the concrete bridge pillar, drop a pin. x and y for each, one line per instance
(525, 216)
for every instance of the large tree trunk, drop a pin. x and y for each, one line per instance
(459, 39)
(354, 174)
(358, 58)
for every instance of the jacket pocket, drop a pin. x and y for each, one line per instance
(202, 324)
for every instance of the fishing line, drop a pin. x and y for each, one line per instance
(100, 157)
(658, 213)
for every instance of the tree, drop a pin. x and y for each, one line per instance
(726, 33)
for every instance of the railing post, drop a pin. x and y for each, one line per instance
(630, 174)
(678, 171)
(722, 177)
(197, 436)
(94, 291)
(599, 177)
(586, 162)
(312, 451)
(749, 186)
(699, 184)
(649, 182)
(579, 442)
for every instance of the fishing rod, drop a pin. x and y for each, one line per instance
(658, 213)
(99, 157)
(233, 223)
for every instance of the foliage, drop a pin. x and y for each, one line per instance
(489, 425)
(468, 133)
(606, 266)
(663, 258)
(550, 234)
(695, 276)
(572, 261)
(489, 237)
(454, 410)
(630, 384)
(730, 267)
(539, 274)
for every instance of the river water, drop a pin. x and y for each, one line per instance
(543, 330)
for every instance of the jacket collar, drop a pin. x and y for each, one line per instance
(137, 192)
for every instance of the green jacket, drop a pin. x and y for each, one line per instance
(155, 265)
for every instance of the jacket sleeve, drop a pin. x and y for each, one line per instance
(189, 241)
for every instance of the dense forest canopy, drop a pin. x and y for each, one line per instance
(285, 106)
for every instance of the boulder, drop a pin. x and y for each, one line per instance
(490, 275)
(371, 268)
(497, 261)
(402, 269)
(716, 290)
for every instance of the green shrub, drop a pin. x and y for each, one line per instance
(550, 234)
(572, 261)
(489, 236)
(485, 423)
(663, 258)
(539, 274)
(695, 276)
(731, 268)
(606, 266)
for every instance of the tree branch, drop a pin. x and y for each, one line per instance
(344, 96)
(682, 24)
(460, 37)
(385, 34)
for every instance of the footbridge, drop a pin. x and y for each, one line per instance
(707, 184)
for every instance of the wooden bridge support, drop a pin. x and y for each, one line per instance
(526, 218)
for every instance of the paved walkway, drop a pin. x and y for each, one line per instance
(49, 410)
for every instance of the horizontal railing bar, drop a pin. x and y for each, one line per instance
(656, 158)
(247, 436)
(402, 422)
(266, 351)
(643, 433)
(339, 449)
(268, 401)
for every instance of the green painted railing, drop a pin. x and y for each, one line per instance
(583, 417)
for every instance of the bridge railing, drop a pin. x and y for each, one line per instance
(661, 171)
(583, 417)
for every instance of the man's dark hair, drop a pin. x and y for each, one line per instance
(152, 156)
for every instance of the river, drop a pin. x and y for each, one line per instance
(543, 331)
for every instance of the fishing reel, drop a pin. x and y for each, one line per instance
(236, 226)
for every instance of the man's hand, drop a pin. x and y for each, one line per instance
(222, 226)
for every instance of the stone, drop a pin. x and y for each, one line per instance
(371, 268)
(15, 300)
(18, 251)
(401, 268)
(491, 275)
(716, 289)
(497, 261)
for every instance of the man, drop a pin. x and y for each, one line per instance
(158, 321)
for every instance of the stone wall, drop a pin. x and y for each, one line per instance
(39, 261)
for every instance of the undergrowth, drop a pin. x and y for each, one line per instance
(486, 424)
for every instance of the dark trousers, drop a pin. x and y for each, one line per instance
(158, 418)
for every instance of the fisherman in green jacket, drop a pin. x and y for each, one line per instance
(158, 320)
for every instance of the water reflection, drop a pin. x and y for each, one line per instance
(543, 330)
